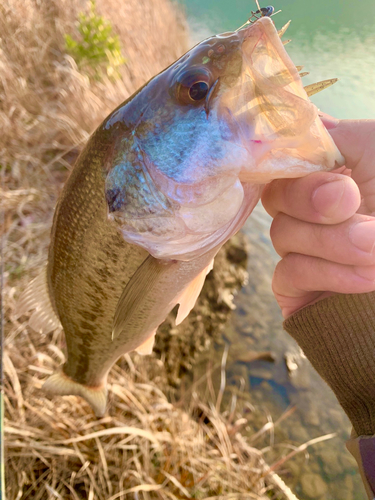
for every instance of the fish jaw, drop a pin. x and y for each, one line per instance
(271, 115)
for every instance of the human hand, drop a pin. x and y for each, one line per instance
(324, 224)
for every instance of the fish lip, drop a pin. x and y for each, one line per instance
(265, 23)
(271, 115)
(266, 28)
(265, 66)
(242, 92)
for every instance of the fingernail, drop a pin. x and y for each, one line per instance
(362, 235)
(367, 272)
(327, 197)
(329, 121)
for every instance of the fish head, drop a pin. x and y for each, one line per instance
(234, 105)
(199, 141)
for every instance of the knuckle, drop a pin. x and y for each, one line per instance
(275, 227)
(290, 273)
(270, 198)
(284, 269)
(319, 234)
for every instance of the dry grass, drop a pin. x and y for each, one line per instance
(148, 448)
(48, 108)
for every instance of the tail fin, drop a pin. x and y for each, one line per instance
(36, 297)
(60, 384)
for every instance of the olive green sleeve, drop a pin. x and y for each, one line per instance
(337, 335)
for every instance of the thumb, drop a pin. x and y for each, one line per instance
(356, 141)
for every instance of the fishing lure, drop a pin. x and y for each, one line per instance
(259, 13)
(263, 11)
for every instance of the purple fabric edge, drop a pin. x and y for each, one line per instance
(367, 451)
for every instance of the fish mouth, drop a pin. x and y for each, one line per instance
(269, 112)
(270, 88)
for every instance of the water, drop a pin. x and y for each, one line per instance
(330, 39)
(257, 323)
(328, 471)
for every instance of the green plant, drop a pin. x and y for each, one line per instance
(99, 48)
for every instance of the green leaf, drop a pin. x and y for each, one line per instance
(98, 50)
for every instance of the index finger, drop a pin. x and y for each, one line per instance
(356, 141)
(321, 197)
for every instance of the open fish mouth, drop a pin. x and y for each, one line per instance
(270, 89)
(269, 111)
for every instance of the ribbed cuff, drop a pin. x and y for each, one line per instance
(337, 335)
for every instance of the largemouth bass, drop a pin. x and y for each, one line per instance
(162, 184)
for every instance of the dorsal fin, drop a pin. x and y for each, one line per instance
(314, 88)
(36, 297)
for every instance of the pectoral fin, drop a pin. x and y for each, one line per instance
(140, 285)
(191, 293)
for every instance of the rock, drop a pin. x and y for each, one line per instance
(248, 356)
(247, 329)
(343, 489)
(260, 372)
(291, 361)
(313, 485)
(265, 386)
(311, 414)
(330, 461)
(294, 467)
(349, 484)
(348, 462)
(298, 432)
(298, 368)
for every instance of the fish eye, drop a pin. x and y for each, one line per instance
(192, 86)
(198, 91)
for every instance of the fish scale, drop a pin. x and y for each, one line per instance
(77, 283)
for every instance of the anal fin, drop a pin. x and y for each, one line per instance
(191, 293)
(146, 347)
(60, 384)
(36, 297)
